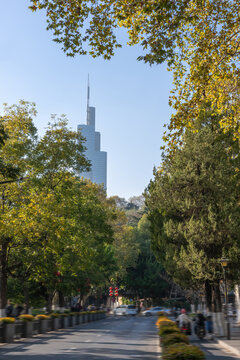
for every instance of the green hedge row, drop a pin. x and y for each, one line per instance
(175, 345)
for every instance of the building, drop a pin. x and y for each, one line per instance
(98, 158)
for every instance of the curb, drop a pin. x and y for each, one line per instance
(230, 348)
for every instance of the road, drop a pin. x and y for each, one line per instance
(115, 338)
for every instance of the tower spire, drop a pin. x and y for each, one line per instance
(88, 97)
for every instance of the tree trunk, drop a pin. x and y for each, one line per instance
(49, 302)
(3, 278)
(219, 324)
(217, 302)
(55, 301)
(61, 299)
(208, 295)
(26, 297)
(237, 302)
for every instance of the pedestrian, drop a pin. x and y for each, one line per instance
(17, 310)
(9, 309)
(209, 323)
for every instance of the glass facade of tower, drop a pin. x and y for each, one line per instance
(98, 158)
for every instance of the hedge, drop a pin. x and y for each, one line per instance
(7, 320)
(162, 320)
(174, 338)
(183, 352)
(26, 317)
(165, 330)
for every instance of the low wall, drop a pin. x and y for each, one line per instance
(21, 328)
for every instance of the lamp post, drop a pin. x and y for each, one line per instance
(224, 263)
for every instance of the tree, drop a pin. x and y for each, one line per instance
(20, 138)
(143, 279)
(138, 272)
(193, 205)
(44, 162)
(199, 40)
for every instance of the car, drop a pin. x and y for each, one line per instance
(125, 310)
(153, 311)
(132, 310)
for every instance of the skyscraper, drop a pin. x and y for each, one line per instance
(98, 158)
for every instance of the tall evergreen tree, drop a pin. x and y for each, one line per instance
(193, 205)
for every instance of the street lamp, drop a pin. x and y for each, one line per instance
(224, 262)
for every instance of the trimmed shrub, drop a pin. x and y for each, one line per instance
(183, 352)
(7, 320)
(55, 315)
(174, 338)
(162, 319)
(166, 323)
(64, 314)
(26, 317)
(42, 317)
(165, 330)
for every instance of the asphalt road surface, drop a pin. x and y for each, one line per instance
(115, 338)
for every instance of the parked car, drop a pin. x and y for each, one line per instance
(125, 310)
(153, 311)
(132, 310)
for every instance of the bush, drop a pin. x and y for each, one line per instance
(7, 320)
(54, 315)
(161, 321)
(183, 352)
(37, 311)
(26, 317)
(42, 317)
(174, 338)
(165, 330)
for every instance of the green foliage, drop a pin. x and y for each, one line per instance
(7, 320)
(199, 40)
(57, 229)
(168, 329)
(42, 317)
(26, 317)
(174, 338)
(140, 273)
(197, 222)
(183, 352)
(54, 315)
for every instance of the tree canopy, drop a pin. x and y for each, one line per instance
(199, 40)
(57, 230)
(193, 205)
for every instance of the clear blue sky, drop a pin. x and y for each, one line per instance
(131, 98)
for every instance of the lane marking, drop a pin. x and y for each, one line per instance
(87, 341)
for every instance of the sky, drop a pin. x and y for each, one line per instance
(131, 98)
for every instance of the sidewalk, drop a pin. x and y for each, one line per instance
(232, 345)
